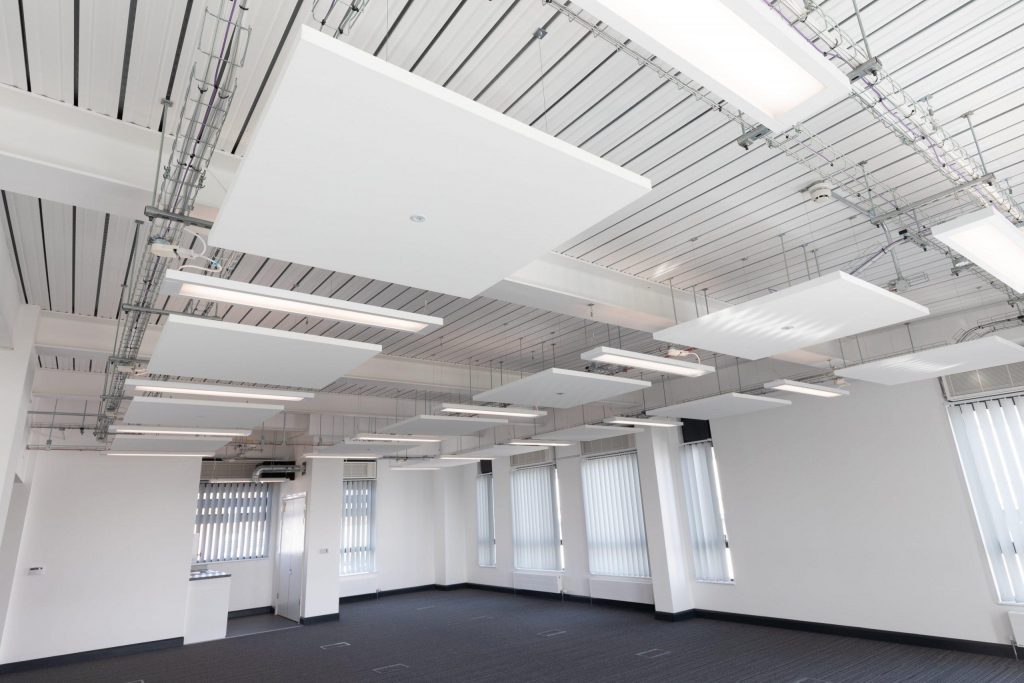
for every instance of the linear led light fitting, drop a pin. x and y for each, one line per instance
(414, 469)
(188, 389)
(462, 457)
(389, 438)
(178, 283)
(178, 431)
(989, 240)
(644, 361)
(643, 421)
(328, 456)
(509, 411)
(530, 442)
(162, 455)
(805, 388)
(741, 50)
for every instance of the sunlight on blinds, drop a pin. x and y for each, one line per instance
(712, 559)
(233, 522)
(536, 528)
(616, 539)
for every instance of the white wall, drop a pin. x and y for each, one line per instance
(405, 534)
(115, 538)
(853, 511)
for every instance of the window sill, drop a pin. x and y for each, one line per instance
(207, 563)
(622, 579)
(717, 583)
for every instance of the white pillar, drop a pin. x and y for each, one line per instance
(663, 505)
(324, 495)
(576, 579)
(16, 373)
(451, 518)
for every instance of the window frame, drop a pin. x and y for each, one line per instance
(624, 500)
(699, 495)
(556, 505)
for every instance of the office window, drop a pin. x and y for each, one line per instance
(485, 543)
(232, 522)
(712, 558)
(990, 438)
(357, 527)
(616, 539)
(536, 527)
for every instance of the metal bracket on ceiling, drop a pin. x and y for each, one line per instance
(152, 212)
(752, 135)
(539, 33)
(872, 66)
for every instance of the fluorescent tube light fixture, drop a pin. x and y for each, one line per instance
(509, 411)
(990, 241)
(463, 457)
(162, 455)
(389, 438)
(643, 421)
(178, 431)
(187, 389)
(542, 444)
(644, 361)
(805, 388)
(739, 49)
(178, 283)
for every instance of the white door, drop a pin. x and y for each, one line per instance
(290, 556)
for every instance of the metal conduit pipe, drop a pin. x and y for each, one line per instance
(990, 327)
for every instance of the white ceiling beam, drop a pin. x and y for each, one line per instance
(71, 155)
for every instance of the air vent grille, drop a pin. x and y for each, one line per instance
(1001, 379)
(212, 470)
(360, 470)
(614, 444)
(534, 458)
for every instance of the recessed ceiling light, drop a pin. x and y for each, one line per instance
(805, 388)
(508, 411)
(178, 283)
(990, 240)
(543, 444)
(186, 389)
(643, 361)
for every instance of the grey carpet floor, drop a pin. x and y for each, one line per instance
(471, 635)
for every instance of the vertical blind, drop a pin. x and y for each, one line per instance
(616, 539)
(357, 526)
(233, 522)
(485, 520)
(536, 527)
(990, 438)
(712, 558)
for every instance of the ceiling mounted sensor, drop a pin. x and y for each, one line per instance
(394, 439)
(196, 347)
(643, 361)
(412, 148)
(643, 421)
(193, 414)
(944, 360)
(585, 433)
(178, 431)
(140, 386)
(195, 286)
(443, 425)
(819, 310)
(723, 405)
(988, 239)
(739, 49)
(804, 388)
(558, 388)
(497, 411)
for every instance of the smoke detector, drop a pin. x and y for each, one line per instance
(820, 193)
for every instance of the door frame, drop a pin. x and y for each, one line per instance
(280, 539)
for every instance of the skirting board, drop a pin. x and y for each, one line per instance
(90, 655)
(395, 591)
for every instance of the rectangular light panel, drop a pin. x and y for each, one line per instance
(214, 391)
(558, 388)
(196, 286)
(178, 412)
(945, 360)
(825, 308)
(990, 241)
(144, 430)
(211, 349)
(644, 361)
(440, 192)
(644, 421)
(585, 433)
(130, 443)
(795, 387)
(739, 49)
(723, 405)
(497, 411)
(443, 425)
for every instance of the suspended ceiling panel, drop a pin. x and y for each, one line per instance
(584, 433)
(500, 450)
(455, 195)
(819, 310)
(944, 360)
(440, 425)
(176, 412)
(723, 405)
(558, 388)
(124, 443)
(211, 349)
